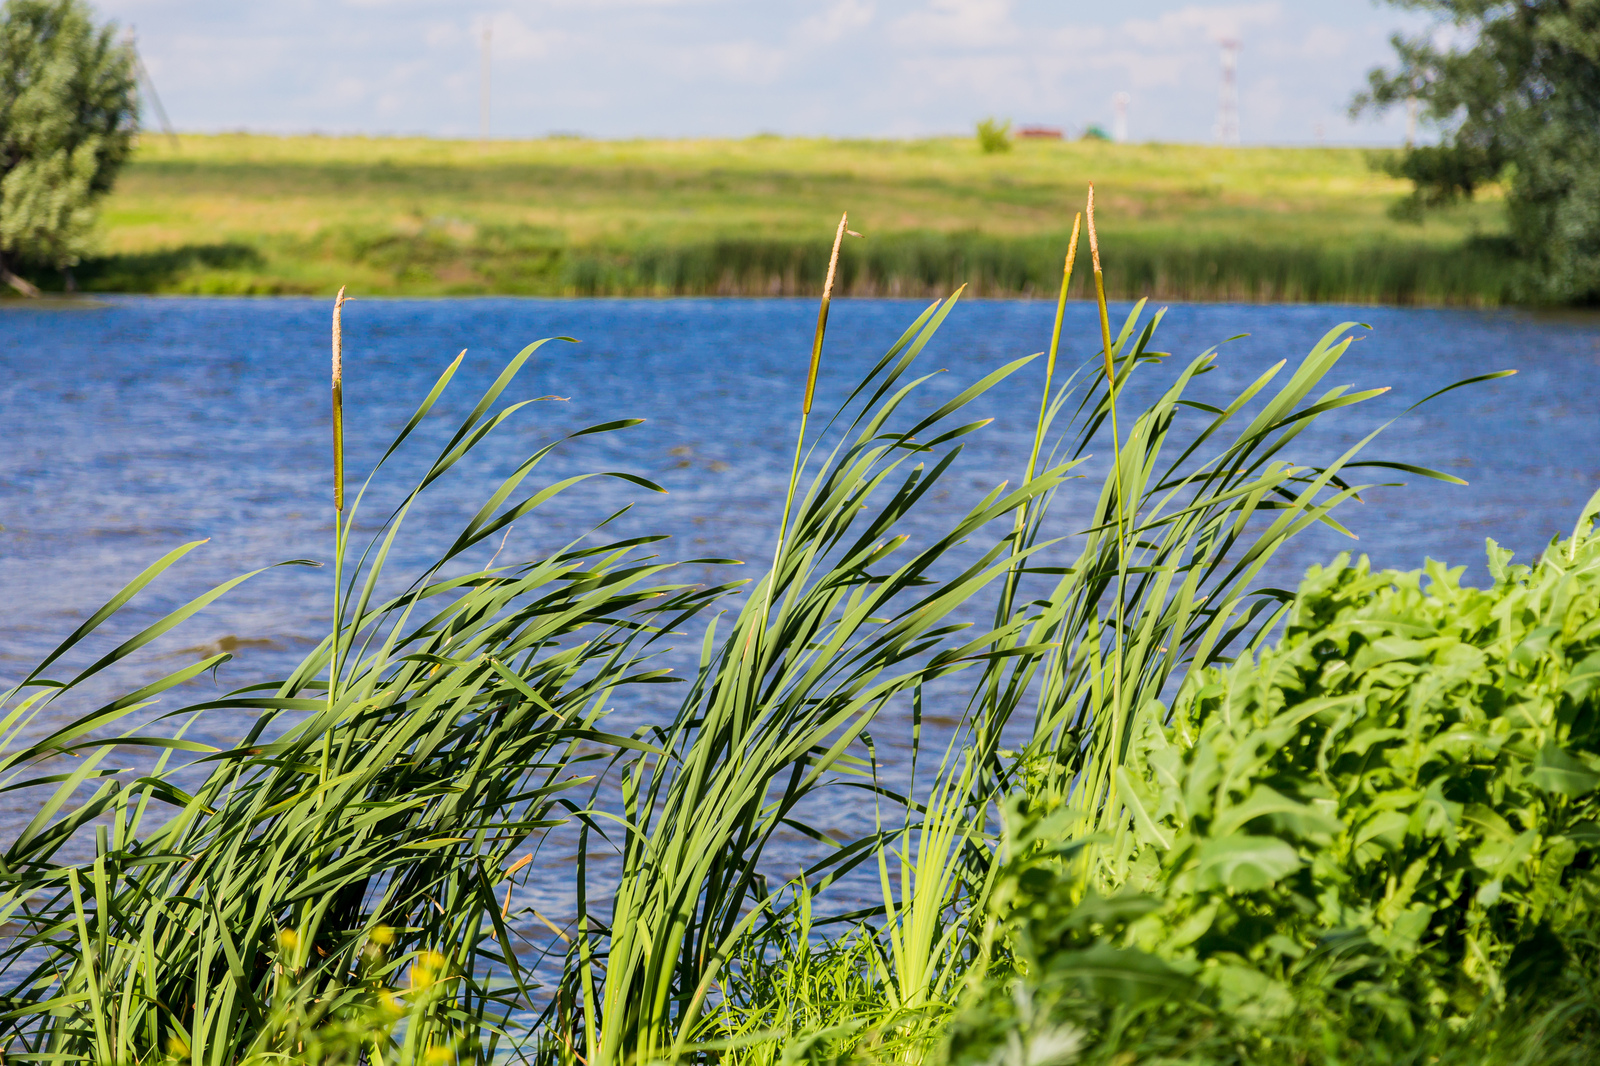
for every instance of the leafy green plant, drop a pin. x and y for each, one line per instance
(1410, 773)
(1074, 991)
(1379, 832)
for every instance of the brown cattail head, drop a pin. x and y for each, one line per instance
(822, 312)
(338, 401)
(1094, 241)
(833, 258)
(338, 337)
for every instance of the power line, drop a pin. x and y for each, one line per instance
(142, 75)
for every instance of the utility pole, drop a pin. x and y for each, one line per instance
(1119, 123)
(483, 101)
(1228, 99)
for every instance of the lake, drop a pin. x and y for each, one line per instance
(136, 424)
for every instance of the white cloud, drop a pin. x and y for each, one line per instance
(515, 39)
(693, 67)
(348, 91)
(957, 24)
(844, 18)
(1176, 29)
(444, 35)
(742, 62)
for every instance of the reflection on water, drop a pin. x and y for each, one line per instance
(142, 424)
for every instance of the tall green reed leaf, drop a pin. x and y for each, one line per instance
(811, 387)
(464, 710)
(857, 620)
(388, 800)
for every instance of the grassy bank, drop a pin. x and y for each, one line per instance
(253, 214)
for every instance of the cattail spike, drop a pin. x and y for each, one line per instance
(1100, 299)
(1072, 245)
(1094, 240)
(338, 401)
(822, 313)
(338, 337)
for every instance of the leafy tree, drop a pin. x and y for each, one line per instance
(994, 135)
(1518, 99)
(68, 114)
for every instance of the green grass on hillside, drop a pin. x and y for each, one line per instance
(256, 214)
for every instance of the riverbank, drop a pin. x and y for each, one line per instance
(248, 214)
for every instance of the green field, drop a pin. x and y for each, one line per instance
(256, 214)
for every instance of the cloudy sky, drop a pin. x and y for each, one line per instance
(674, 68)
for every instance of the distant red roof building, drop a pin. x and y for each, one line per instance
(1044, 133)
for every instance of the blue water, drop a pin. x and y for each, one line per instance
(135, 425)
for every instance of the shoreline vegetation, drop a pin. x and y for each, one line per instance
(253, 214)
(1176, 817)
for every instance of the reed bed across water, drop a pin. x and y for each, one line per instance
(257, 214)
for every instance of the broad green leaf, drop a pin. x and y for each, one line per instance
(1557, 771)
(1245, 863)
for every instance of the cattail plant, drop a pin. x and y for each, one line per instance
(1055, 348)
(811, 391)
(338, 402)
(1008, 594)
(1049, 376)
(1117, 502)
(1105, 321)
(339, 529)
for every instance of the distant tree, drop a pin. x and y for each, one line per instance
(68, 114)
(1514, 87)
(994, 135)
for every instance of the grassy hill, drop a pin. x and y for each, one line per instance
(258, 214)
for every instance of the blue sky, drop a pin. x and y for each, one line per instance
(675, 68)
